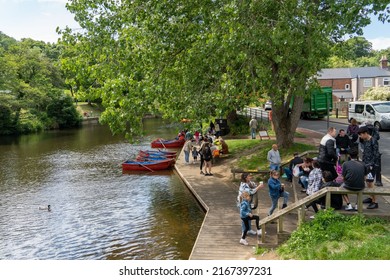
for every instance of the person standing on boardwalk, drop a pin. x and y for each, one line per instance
(370, 158)
(247, 185)
(203, 143)
(207, 156)
(195, 154)
(247, 216)
(327, 156)
(253, 127)
(276, 190)
(187, 150)
(273, 158)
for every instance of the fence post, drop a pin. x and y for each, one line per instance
(328, 200)
(360, 202)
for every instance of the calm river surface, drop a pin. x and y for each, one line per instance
(97, 212)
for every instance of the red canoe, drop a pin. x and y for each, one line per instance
(161, 143)
(152, 165)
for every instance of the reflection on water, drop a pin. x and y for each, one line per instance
(97, 212)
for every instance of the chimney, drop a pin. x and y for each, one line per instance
(383, 62)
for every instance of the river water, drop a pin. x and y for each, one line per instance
(97, 211)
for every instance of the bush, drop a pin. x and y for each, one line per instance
(334, 236)
(63, 112)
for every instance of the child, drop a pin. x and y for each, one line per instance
(195, 154)
(276, 190)
(246, 216)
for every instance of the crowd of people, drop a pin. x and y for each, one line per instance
(346, 158)
(203, 147)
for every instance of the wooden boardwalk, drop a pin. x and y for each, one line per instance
(219, 236)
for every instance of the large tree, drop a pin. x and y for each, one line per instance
(202, 58)
(31, 88)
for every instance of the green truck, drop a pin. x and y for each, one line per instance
(318, 104)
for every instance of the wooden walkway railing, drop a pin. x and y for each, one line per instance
(300, 205)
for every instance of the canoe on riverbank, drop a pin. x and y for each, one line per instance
(148, 165)
(157, 153)
(161, 143)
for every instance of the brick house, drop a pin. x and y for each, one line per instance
(350, 83)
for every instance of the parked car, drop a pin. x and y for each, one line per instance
(268, 105)
(376, 112)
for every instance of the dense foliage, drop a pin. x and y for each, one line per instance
(32, 94)
(203, 58)
(355, 52)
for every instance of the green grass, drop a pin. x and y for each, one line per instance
(333, 236)
(85, 107)
(253, 153)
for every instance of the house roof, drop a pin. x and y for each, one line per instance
(351, 73)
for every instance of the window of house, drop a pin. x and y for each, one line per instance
(347, 86)
(367, 83)
(386, 81)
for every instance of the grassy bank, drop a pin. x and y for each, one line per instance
(333, 236)
(92, 110)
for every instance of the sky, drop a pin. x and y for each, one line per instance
(38, 19)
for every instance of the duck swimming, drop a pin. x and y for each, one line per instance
(45, 208)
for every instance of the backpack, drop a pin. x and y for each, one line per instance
(207, 153)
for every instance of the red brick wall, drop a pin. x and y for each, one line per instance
(335, 83)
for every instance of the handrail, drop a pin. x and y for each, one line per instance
(327, 191)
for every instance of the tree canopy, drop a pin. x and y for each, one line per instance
(31, 83)
(203, 58)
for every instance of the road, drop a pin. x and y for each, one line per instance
(384, 142)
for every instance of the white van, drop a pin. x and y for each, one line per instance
(376, 112)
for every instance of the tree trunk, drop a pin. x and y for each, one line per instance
(285, 122)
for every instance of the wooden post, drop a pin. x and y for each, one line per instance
(360, 202)
(301, 215)
(327, 200)
(263, 233)
(280, 221)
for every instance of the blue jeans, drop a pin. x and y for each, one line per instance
(253, 133)
(288, 173)
(304, 180)
(187, 156)
(274, 201)
(274, 166)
